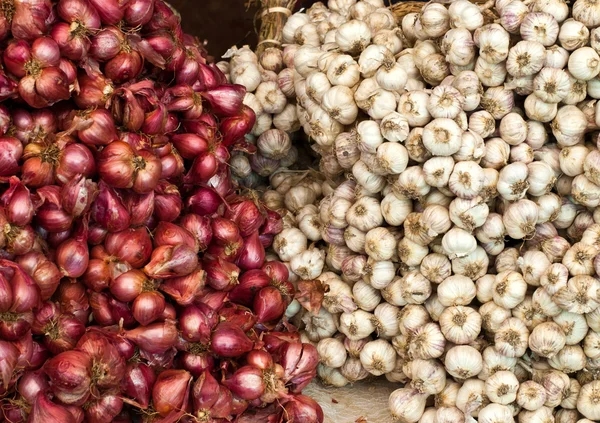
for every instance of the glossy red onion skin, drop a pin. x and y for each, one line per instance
(238, 315)
(154, 338)
(185, 289)
(302, 408)
(252, 254)
(101, 131)
(171, 391)
(133, 246)
(167, 233)
(221, 275)
(148, 307)
(104, 408)
(167, 202)
(139, 12)
(75, 159)
(197, 322)
(299, 362)
(189, 145)
(138, 382)
(277, 271)
(72, 298)
(78, 195)
(108, 365)
(200, 227)
(204, 201)
(196, 364)
(230, 341)
(171, 261)
(72, 257)
(234, 128)
(247, 383)
(250, 282)
(10, 355)
(109, 211)
(247, 215)
(45, 411)
(260, 359)
(11, 151)
(43, 271)
(17, 203)
(70, 376)
(30, 384)
(268, 304)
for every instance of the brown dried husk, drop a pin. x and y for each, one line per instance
(272, 20)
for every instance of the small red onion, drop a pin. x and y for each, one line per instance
(107, 363)
(11, 151)
(167, 202)
(148, 307)
(200, 227)
(230, 341)
(250, 282)
(75, 159)
(277, 271)
(139, 12)
(189, 145)
(260, 359)
(185, 289)
(238, 315)
(247, 383)
(70, 376)
(196, 363)
(197, 322)
(17, 203)
(204, 201)
(109, 211)
(100, 128)
(9, 356)
(94, 90)
(268, 304)
(51, 216)
(77, 195)
(45, 411)
(103, 409)
(301, 408)
(72, 298)
(170, 234)
(299, 362)
(133, 246)
(252, 254)
(139, 206)
(138, 382)
(31, 383)
(171, 261)
(154, 338)
(221, 275)
(235, 128)
(171, 391)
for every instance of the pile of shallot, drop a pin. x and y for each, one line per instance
(134, 282)
(452, 229)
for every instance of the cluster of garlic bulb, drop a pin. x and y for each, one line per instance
(270, 93)
(457, 228)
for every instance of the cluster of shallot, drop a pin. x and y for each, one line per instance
(269, 82)
(134, 284)
(455, 239)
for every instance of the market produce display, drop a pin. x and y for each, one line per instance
(134, 279)
(452, 225)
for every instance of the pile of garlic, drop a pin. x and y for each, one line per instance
(457, 229)
(270, 93)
